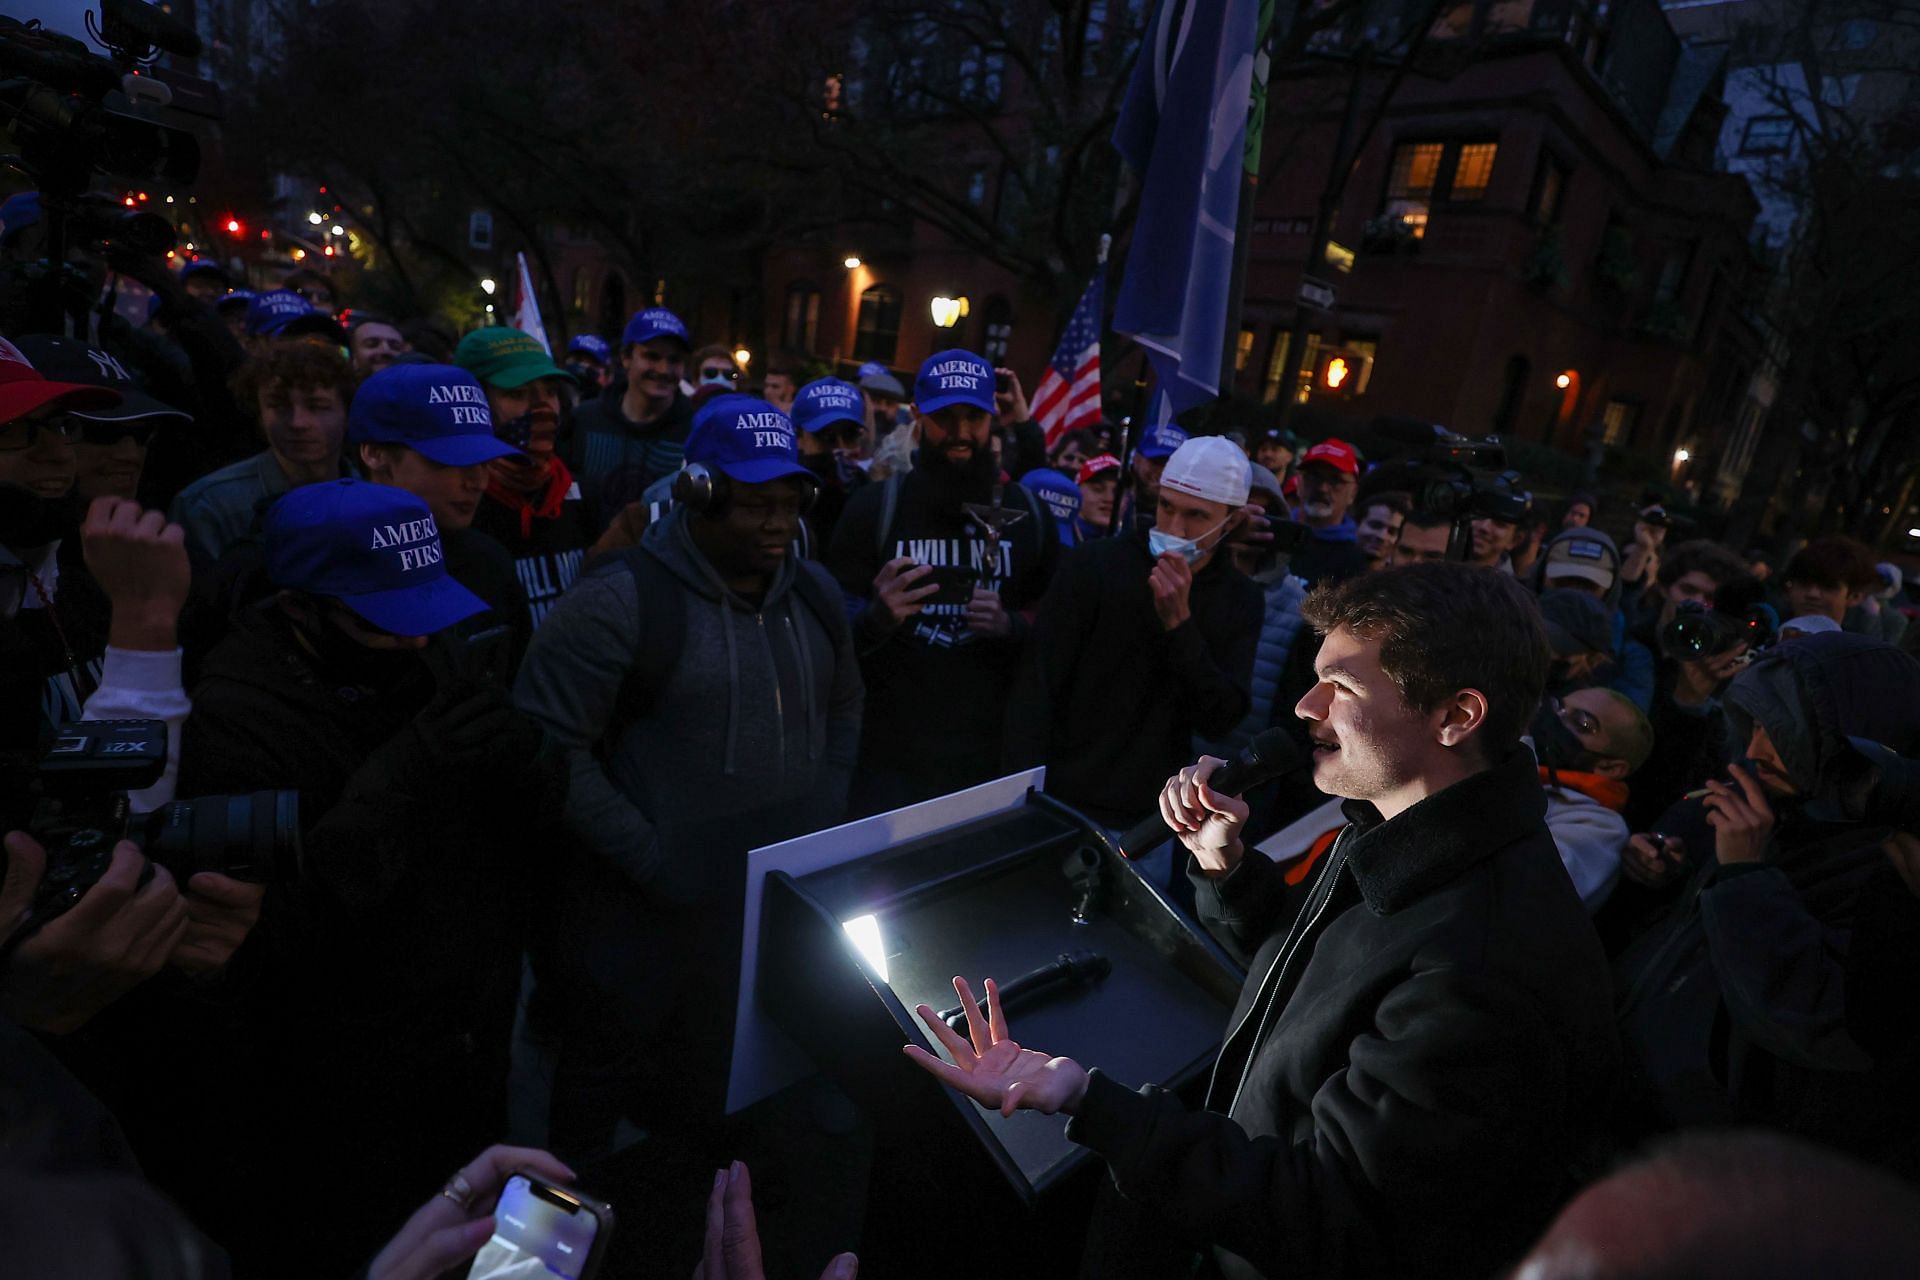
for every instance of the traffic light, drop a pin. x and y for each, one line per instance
(1343, 371)
(234, 227)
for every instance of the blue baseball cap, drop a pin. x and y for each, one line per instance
(1060, 493)
(18, 212)
(870, 368)
(655, 322)
(825, 401)
(373, 548)
(953, 377)
(234, 298)
(437, 410)
(202, 266)
(747, 439)
(1161, 441)
(591, 344)
(273, 311)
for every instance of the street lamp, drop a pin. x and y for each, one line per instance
(742, 357)
(947, 311)
(1564, 381)
(315, 218)
(1680, 456)
(487, 286)
(337, 229)
(852, 262)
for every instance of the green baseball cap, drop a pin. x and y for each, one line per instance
(506, 358)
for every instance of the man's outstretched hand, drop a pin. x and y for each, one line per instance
(998, 1072)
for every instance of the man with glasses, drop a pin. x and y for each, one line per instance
(109, 442)
(53, 619)
(832, 419)
(314, 287)
(713, 366)
(636, 431)
(1329, 479)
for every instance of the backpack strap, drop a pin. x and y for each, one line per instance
(889, 507)
(661, 616)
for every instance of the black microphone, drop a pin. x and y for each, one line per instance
(1072, 968)
(1270, 755)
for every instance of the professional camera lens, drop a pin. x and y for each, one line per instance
(252, 837)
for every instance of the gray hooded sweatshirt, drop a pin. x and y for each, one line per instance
(759, 711)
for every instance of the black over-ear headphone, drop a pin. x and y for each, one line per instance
(708, 491)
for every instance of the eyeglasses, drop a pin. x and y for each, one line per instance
(24, 433)
(717, 373)
(107, 434)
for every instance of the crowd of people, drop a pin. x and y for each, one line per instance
(543, 646)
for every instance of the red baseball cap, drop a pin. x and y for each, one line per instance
(23, 390)
(1337, 454)
(1096, 465)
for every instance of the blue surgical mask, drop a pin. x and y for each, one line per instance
(1188, 549)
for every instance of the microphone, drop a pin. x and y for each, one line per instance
(1272, 754)
(1071, 969)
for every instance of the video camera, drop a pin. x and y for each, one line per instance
(73, 115)
(1452, 476)
(83, 812)
(1740, 615)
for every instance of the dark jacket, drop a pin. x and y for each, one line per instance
(614, 458)
(1330, 555)
(1744, 1003)
(936, 707)
(1414, 1068)
(1109, 699)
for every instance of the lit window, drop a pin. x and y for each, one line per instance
(1473, 170)
(1416, 166)
(1244, 351)
(1618, 421)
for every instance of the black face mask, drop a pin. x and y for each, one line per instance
(29, 520)
(1557, 746)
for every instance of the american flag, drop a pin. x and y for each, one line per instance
(1069, 396)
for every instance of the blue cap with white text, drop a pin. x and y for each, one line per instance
(1161, 441)
(953, 377)
(591, 344)
(825, 401)
(747, 439)
(373, 548)
(274, 310)
(436, 410)
(1062, 496)
(654, 322)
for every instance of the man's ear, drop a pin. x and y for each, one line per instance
(1460, 717)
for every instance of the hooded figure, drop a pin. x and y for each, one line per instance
(1748, 1002)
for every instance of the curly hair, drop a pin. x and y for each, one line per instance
(291, 366)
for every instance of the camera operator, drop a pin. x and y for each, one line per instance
(939, 607)
(1423, 1038)
(1423, 539)
(1685, 716)
(1740, 1006)
(371, 1034)
(1142, 642)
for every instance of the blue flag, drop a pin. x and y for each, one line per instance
(1182, 129)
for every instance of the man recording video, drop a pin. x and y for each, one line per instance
(1424, 1040)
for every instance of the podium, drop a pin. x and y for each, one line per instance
(854, 927)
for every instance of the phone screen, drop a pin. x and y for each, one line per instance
(534, 1237)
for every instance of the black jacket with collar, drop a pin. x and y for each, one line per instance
(1416, 1066)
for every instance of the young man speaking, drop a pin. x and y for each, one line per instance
(1424, 1044)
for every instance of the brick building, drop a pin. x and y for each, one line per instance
(1535, 238)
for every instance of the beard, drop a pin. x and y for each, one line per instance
(957, 482)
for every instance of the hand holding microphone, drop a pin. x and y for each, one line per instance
(1199, 803)
(1205, 821)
